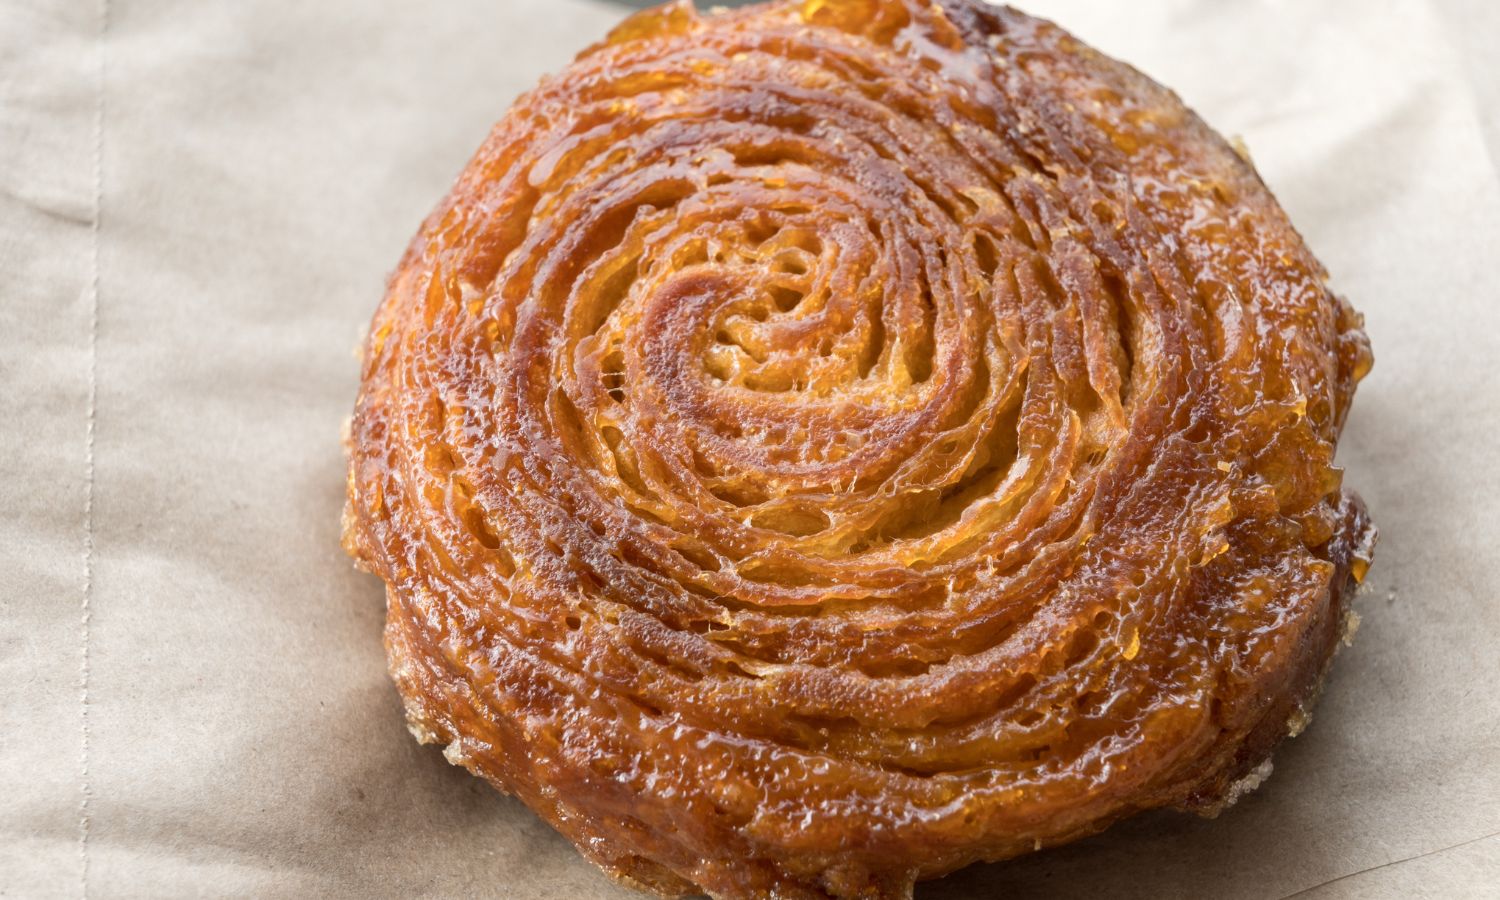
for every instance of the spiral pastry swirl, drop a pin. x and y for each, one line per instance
(818, 446)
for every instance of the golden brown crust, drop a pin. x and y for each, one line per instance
(819, 446)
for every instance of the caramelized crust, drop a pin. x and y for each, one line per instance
(818, 446)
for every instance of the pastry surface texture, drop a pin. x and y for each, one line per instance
(818, 446)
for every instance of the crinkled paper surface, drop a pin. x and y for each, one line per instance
(199, 201)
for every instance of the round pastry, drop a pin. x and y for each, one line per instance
(820, 445)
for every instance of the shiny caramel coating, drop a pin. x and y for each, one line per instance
(818, 446)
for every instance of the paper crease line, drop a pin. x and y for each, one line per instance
(85, 790)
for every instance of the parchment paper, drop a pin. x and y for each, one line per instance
(200, 202)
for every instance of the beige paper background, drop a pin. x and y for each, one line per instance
(236, 178)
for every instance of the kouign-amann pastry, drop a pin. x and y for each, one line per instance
(821, 445)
